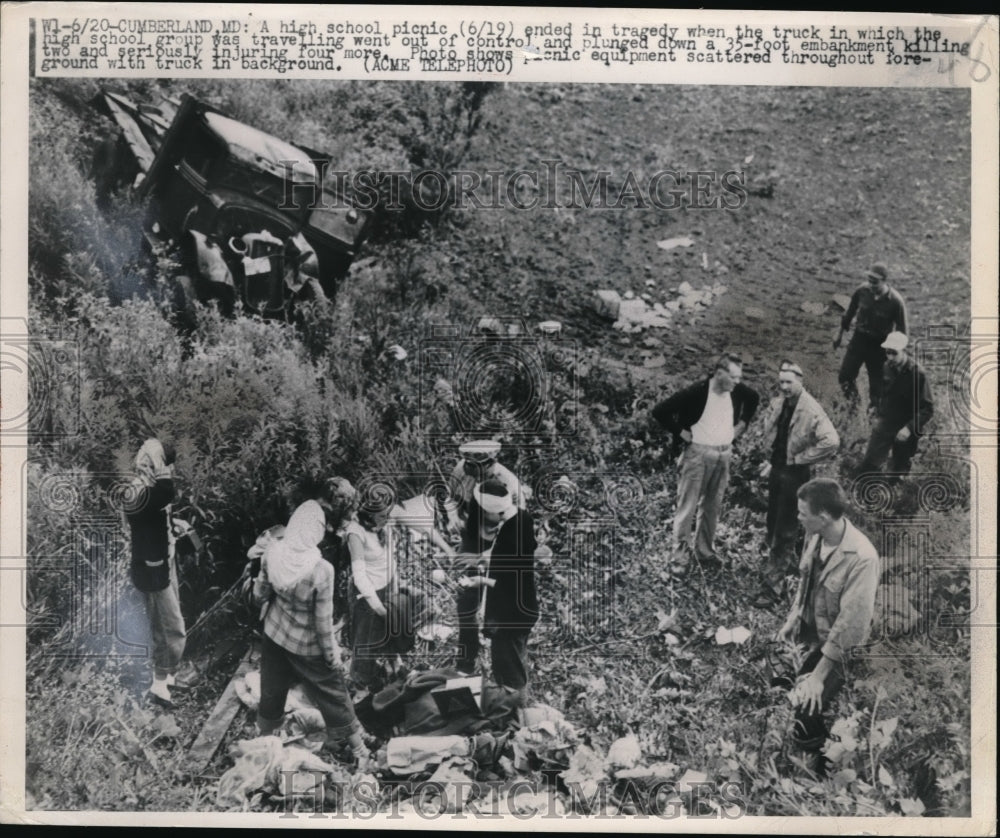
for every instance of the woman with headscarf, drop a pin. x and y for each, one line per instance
(500, 538)
(153, 569)
(298, 643)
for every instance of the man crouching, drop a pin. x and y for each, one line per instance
(833, 608)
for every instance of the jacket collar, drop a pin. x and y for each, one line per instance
(850, 544)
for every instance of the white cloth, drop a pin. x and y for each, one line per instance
(715, 426)
(289, 559)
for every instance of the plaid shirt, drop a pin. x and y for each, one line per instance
(301, 620)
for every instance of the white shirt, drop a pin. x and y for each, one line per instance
(376, 567)
(715, 426)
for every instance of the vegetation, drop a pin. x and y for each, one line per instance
(625, 644)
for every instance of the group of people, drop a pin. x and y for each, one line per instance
(296, 587)
(838, 570)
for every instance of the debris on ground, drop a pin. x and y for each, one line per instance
(739, 635)
(670, 244)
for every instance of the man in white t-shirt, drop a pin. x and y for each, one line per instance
(708, 416)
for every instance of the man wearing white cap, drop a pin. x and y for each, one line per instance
(797, 433)
(902, 413)
(479, 463)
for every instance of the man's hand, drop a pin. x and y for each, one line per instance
(335, 659)
(377, 606)
(786, 634)
(686, 436)
(808, 693)
(765, 470)
(903, 435)
(739, 428)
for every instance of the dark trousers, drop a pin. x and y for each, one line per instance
(883, 444)
(783, 524)
(467, 604)
(811, 729)
(509, 657)
(863, 349)
(508, 646)
(279, 669)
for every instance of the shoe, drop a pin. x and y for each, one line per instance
(712, 562)
(765, 600)
(159, 693)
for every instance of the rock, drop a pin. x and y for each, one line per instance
(655, 362)
(684, 288)
(606, 304)
(754, 313)
(629, 295)
(489, 324)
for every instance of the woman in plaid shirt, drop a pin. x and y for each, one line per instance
(298, 643)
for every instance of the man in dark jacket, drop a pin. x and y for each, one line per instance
(903, 411)
(153, 570)
(880, 310)
(506, 570)
(708, 416)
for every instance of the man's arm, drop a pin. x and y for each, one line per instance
(901, 317)
(666, 412)
(749, 400)
(857, 607)
(925, 404)
(852, 309)
(826, 440)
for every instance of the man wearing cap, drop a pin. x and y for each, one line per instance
(708, 416)
(902, 413)
(880, 310)
(797, 433)
(479, 463)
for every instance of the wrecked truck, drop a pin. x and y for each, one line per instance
(253, 219)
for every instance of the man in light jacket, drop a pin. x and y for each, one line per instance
(797, 434)
(833, 608)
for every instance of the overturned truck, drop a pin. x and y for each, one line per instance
(255, 219)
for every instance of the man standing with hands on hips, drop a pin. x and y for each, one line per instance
(708, 416)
